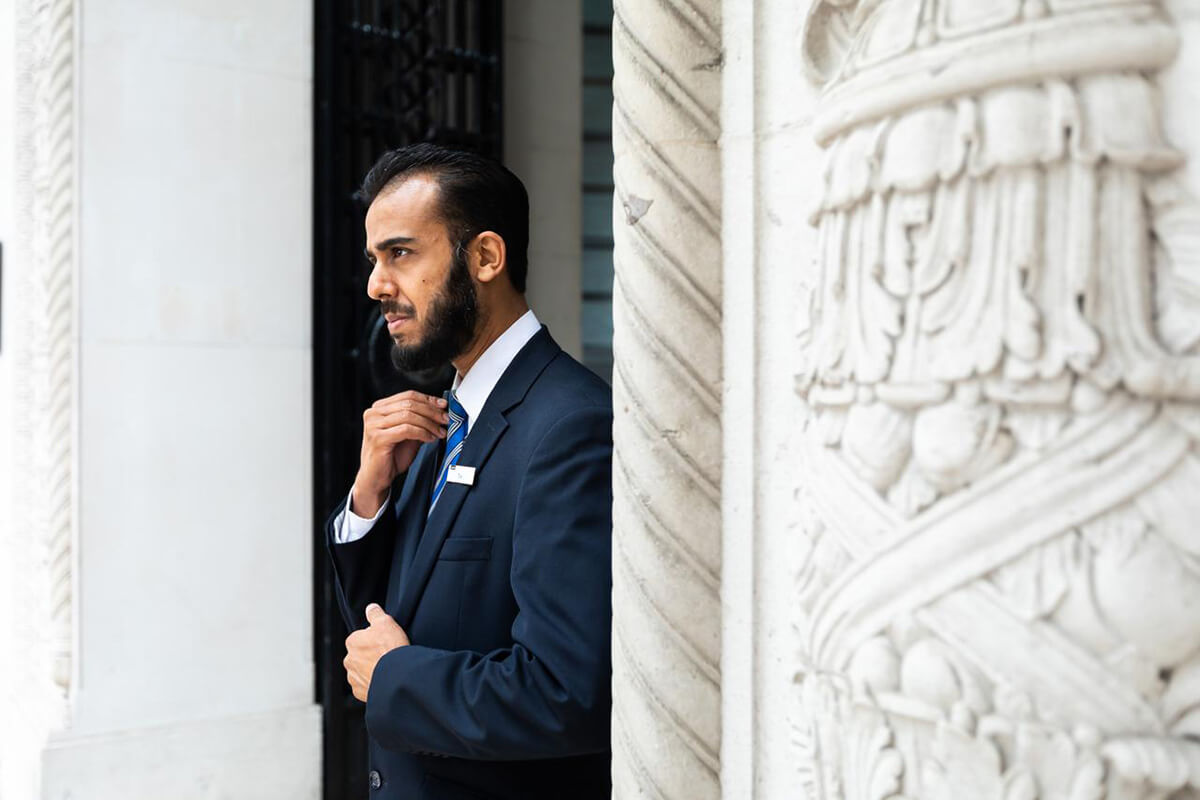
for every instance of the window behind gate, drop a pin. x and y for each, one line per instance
(388, 73)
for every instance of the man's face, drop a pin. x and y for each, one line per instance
(423, 285)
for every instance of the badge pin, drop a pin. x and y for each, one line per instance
(463, 475)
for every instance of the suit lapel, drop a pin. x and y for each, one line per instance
(411, 508)
(482, 437)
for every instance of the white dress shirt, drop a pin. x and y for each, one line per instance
(472, 390)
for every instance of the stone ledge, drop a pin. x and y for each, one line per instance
(275, 754)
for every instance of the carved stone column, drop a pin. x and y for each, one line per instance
(667, 395)
(37, 547)
(1001, 479)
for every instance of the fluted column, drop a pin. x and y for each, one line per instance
(667, 396)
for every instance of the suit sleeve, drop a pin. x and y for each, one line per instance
(548, 695)
(361, 567)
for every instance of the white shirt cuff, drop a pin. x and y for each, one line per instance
(350, 527)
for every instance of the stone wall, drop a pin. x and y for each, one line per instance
(543, 144)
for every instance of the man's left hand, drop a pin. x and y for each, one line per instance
(364, 648)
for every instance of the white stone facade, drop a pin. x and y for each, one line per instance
(954, 578)
(907, 332)
(960, 332)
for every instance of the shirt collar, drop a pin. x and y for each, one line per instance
(474, 388)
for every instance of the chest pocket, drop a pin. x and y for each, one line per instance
(466, 548)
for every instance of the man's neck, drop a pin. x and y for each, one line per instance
(493, 327)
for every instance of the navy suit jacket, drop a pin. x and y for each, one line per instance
(504, 592)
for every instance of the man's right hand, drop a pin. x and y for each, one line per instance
(393, 429)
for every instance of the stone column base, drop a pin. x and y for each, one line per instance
(252, 756)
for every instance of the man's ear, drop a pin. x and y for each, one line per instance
(490, 256)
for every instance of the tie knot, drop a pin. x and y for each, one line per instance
(458, 415)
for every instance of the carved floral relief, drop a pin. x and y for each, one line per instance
(1000, 367)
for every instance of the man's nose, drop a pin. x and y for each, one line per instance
(379, 285)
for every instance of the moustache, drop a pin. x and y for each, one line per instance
(394, 308)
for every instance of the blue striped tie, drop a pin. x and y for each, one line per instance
(456, 432)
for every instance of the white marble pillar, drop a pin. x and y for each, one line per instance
(155, 549)
(667, 397)
(999, 595)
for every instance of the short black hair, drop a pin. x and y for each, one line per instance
(475, 194)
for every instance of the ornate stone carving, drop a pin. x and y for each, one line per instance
(667, 399)
(999, 366)
(46, 344)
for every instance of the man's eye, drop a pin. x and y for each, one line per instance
(398, 251)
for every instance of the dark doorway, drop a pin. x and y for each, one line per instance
(388, 73)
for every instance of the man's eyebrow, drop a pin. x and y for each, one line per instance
(386, 243)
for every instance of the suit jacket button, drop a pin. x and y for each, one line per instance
(375, 778)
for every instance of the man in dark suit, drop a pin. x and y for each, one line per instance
(472, 554)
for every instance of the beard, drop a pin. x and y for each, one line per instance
(449, 326)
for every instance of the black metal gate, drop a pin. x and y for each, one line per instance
(388, 73)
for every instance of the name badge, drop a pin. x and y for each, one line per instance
(463, 475)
